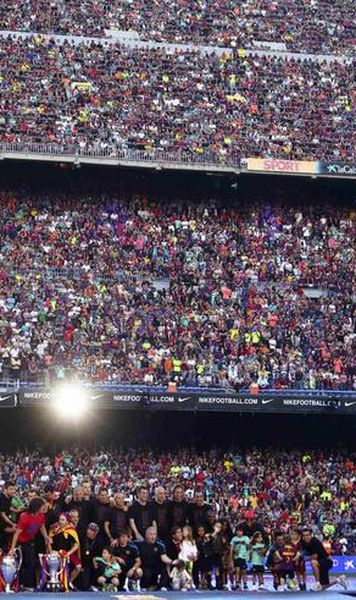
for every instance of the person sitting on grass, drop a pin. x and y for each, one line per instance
(181, 579)
(109, 569)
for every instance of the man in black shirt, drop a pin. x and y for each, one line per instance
(89, 549)
(129, 560)
(174, 544)
(118, 519)
(74, 517)
(53, 506)
(102, 513)
(178, 508)
(198, 511)
(160, 514)
(140, 514)
(154, 562)
(250, 526)
(271, 560)
(84, 507)
(320, 561)
(7, 526)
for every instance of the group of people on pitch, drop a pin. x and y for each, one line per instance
(184, 562)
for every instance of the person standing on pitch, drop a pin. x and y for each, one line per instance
(31, 522)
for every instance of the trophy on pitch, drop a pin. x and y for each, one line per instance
(53, 565)
(10, 566)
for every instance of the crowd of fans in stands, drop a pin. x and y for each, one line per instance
(322, 26)
(114, 492)
(207, 292)
(183, 103)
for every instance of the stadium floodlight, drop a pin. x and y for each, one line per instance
(70, 401)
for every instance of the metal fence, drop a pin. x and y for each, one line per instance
(124, 387)
(58, 273)
(113, 154)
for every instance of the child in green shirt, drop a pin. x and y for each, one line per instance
(258, 551)
(109, 569)
(239, 548)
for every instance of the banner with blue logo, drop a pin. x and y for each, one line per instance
(342, 564)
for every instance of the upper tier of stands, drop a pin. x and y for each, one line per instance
(183, 103)
(320, 26)
(137, 290)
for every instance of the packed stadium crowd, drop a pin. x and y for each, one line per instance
(182, 503)
(322, 26)
(136, 290)
(183, 103)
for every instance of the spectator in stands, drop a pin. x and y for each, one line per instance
(312, 27)
(216, 296)
(181, 104)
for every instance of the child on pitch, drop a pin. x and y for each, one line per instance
(296, 539)
(274, 558)
(257, 554)
(286, 566)
(189, 551)
(181, 579)
(202, 570)
(109, 569)
(239, 548)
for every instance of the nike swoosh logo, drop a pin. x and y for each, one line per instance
(96, 397)
(347, 404)
(3, 398)
(183, 399)
(268, 401)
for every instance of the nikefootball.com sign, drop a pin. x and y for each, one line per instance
(104, 398)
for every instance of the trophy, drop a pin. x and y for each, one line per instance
(10, 566)
(53, 565)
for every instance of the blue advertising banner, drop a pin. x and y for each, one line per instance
(342, 564)
(336, 169)
(201, 401)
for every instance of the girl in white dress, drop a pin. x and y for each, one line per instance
(189, 550)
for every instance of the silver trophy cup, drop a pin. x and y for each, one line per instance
(10, 567)
(55, 567)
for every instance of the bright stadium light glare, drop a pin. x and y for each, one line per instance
(70, 401)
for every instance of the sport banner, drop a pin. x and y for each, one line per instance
(266, 403)
(275, 165)
(337, 169)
